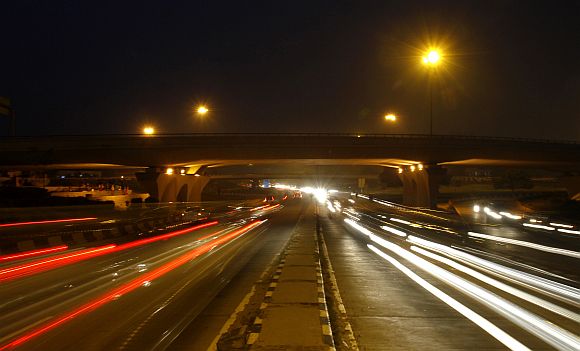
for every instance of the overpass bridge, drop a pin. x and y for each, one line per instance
(420, 159)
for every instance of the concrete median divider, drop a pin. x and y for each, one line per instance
(290, 312)
(26, 245)
(55, 240)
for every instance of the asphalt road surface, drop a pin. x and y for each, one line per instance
(131, 296)
(410, 280)
(427, 281)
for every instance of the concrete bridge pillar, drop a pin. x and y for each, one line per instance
(572, 185)
(172, 187)
(421, 185)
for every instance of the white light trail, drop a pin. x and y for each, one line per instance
(510, 215)
(549, 249)
(502, 286)
(550, 333)
(538, 226)
(330, 207)
(358, 227)
(491, 213)
(483, 323)
(561, 225)
(394, 231)
(401, 221)
(557, 290)
(320, 194)
(568, 231)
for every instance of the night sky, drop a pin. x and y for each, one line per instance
(511, 68)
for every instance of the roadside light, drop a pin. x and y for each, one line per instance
(412, 168)
(182, 172)
(400, 170)
(202, 110)
(148, 130)
(169, 171)
(432, 58)
(390, 117)
(420, 166)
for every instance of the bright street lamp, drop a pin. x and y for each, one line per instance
(390, 117)
(148, 130)
(202, 110)
(432, 59)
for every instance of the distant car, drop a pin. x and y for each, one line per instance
(269, 198)
(297, 195)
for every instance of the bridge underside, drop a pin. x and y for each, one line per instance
(420, 182)
(194, 159)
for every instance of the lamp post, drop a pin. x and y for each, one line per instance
(202, 110)
(431, 60)
(390, 117)
(148, 130)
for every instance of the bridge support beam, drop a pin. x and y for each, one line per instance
(572, 185)
(421, 187)
(172, 187)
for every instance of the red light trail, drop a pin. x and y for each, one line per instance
(54, 262)
(32, 253)
(47, 222)
(81, 255)
(130, 286)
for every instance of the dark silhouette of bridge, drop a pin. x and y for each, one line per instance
(420, 158)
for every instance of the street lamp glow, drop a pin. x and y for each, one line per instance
(148, 130)
(169, 171)
(432, 58)
(390, 117)
(202, 110)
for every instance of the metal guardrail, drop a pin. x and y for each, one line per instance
(351, 135)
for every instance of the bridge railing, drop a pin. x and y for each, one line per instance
(262, 135)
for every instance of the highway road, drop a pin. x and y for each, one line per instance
(136, 295)
(425, 280)
(409, 280)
